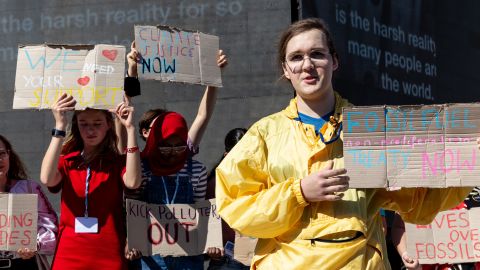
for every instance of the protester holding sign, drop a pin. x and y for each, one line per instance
(205, 109)
(92, 176)
(224, 260)
(170, 176)
(199, 125)
(285, 181)
(12, 180)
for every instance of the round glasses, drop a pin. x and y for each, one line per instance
(296, 60)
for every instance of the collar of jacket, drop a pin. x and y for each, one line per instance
(328, 129)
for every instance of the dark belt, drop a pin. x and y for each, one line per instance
(5, 263)
(357, 235)
(18, 263)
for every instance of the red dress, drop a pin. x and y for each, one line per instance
(102, 250)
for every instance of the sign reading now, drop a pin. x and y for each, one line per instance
(171, 54)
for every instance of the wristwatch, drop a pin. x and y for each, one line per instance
(58, 133)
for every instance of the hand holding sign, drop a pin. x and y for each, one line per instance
(222, 60)
(133, 57)
(323, 185)
(410, 263)
(132, 254)
(63, 104)
(215, 253)
(25, 253)
(124, 113)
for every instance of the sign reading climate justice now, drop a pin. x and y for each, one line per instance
(176, 55)
(93, 74)
(412, 146)
(452, 237)
(18, 221)
(173, 229)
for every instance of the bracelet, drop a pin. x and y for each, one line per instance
(131, 149)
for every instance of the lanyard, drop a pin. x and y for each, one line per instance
(87, 184)
(167, 200)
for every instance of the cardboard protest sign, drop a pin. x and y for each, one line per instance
(18, 221)
(412, 146)
(173, 229)
(453, 237)
(244, 248)
(93, 74)
(171, 54)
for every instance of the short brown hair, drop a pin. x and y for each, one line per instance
(147, 119)
(300, 27)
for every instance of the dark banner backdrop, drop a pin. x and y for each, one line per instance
(403, 52)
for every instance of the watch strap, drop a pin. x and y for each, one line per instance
(58, 133)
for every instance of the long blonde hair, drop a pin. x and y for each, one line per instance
(74, 141)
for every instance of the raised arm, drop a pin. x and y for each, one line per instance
(399, 240)
(132, 177)
(49, 174)
(132, 59)
(206, 107)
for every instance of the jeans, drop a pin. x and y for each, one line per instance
(157, 262)
(227, 263)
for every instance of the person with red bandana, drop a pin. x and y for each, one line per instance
(169, 174)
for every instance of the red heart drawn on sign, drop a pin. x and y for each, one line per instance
(110, 54)
(83, 81)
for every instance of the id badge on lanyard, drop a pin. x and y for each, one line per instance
(86, 224)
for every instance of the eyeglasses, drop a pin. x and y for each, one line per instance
(4, 154)
(296, 60)
(168, 150)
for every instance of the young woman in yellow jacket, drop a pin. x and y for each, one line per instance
(285, 181)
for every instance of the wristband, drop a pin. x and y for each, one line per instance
(131, 149)
(131, 86)
(58, 133)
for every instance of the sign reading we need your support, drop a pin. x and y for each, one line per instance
(93, 74)
(172, 54)
(412, 146)
(452, 237)
(18, 221)
(173, 229)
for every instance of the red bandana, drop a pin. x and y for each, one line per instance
(164, 126)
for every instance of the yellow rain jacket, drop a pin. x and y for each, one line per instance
(258, 194)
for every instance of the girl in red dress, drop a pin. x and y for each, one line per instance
(91, 174)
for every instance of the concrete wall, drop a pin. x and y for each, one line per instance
(248, 31)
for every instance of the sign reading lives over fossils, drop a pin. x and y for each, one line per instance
(170, 54)
(452, 237)
(93, 74)
(412, 146)
(18, 221)
(173, 229)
